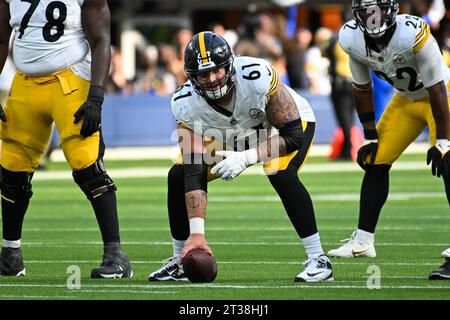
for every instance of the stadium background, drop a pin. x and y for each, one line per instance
(257, 250)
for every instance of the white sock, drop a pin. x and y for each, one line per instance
(178, 246)
(364, 236)
(11, 244)
(312, 244)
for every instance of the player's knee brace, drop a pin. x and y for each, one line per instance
(15, 185)
(93, 180)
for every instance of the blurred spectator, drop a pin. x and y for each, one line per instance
(432, 11)
(341, 96)
(182, 38)
(155, 79)
(117, 82)
(229, 35)
(172, 63)
(295, 51)
(445, 41)
(317, 65)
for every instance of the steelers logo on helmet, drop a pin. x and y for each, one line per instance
(208, 52)
(374, 17)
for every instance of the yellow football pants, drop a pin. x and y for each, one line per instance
(34, 104)
(296, 158)
(401, 123)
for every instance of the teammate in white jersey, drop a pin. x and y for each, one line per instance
(232, 103)
(53, 42)
(401, 50)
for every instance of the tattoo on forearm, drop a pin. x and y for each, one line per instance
(196, 204)
(282, 108)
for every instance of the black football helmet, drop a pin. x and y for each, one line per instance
(374, 17)
(206, 52)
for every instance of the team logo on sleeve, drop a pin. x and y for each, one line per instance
(399, 59)
(255, 113)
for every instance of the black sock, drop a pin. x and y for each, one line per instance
(16, 194)
(296, 201)
(105, 208)
(374, 193)
(12, 218)
(111, 247)
(176, 204)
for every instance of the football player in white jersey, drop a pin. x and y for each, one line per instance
(401, 50)
(62, 52)
(224, 114)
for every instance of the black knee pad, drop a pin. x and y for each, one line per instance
(94, 181)
(15, 185)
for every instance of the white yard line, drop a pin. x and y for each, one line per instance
(171, 152)
(214, 243)
(335, 262)
(143, 172)
(238, 229)
(220, 286)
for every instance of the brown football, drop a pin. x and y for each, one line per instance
(199, 266)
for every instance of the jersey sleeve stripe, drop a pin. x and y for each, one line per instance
(422, 31)
(274, 83)
(421, 42)
(203, 53)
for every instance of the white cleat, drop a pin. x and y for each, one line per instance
(317, 269)
(446, 253)
(354, 248)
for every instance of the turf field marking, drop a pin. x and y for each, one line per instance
(35, 297)
(228, 229)
(221, 286)
(167, 243)
(398, 196)
(141, 172)
(335, 262)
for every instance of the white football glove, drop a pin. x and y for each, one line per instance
(234, 163)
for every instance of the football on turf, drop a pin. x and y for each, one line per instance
(199, 266)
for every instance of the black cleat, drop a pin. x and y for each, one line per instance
(114, 265)
(172, 270)
(443, 273)
(11, 262)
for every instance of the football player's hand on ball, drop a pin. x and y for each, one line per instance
(91, 112)
(2, 114)
(370, 147)
(234, 163)
(195, 241)
(439, 157)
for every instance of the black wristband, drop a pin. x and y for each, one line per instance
(195, 172)
(96, 94)
(370, 134)
(366, 117)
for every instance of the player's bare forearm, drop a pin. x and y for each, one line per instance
(96, 23)
(5, 32)
(280, 110)
(439, 107)
(272, 148)
(196, 204)
(362, 95)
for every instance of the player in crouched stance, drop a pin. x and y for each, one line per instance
(401, 50)
(62, 51)
(232, 102)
